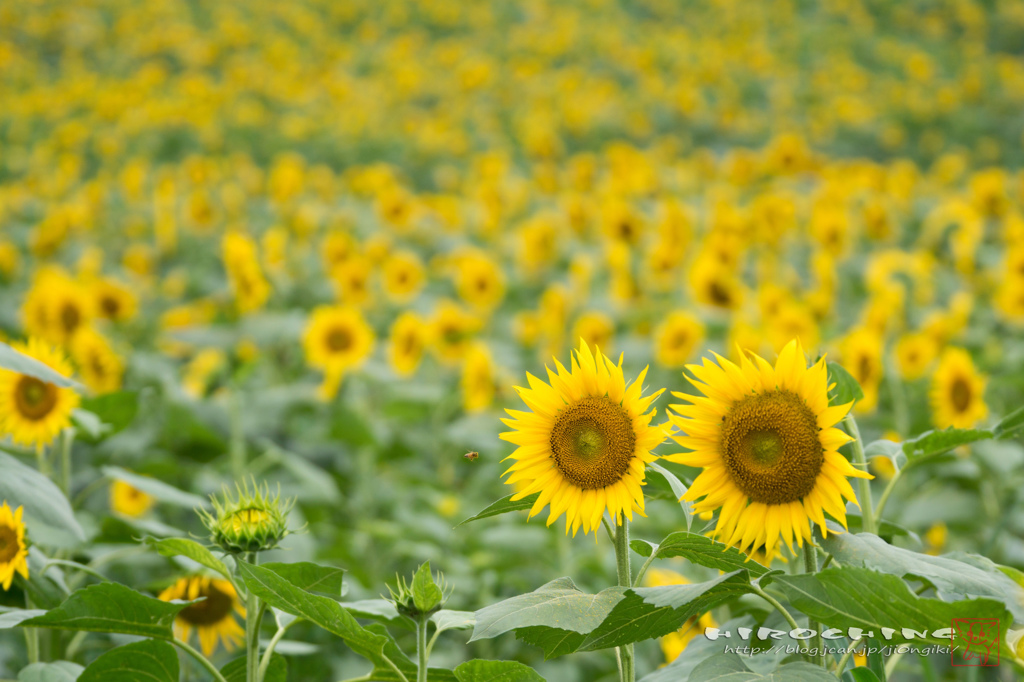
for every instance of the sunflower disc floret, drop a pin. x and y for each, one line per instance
(253, 520)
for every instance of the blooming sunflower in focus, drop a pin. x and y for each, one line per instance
(33, 411)
(766, 439)
(674, 643)
(585, 443)
(213, 618)
(958, 391)
(13, 550)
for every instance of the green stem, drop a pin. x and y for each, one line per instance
(776, 605)
(75, 565)
(271, 645)
(627, 672)
(202, 660)
(841, 666)
(866, 507)
(253, 617)
(421, 649)
(887, 492)
(811, 566)
(643, 569)
(76, 641)
(67, 439)
(236, 445)
(31, 635)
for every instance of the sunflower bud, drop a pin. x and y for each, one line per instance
(424, 596)
(252, 521)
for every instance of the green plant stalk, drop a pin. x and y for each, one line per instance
(627, 671)
(888, 491)
(67, 439)
(31, 634)
(202, 660)
(253, 616)
(268, 653)
(776, 605)
(867, 508)
(811, 566)
(421, 649)
(236, 444)
(841, 666)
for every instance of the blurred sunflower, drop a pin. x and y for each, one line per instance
(477, 380)
(336, 339)
(676, 337)
(674, 643)
(127, 500)
(452, 330)
(958, 391)
(915, 353)
(595, 328)
(114, 301)
(404, 276)
(213, 619)
(13, 550)
(585, 443)
(861, 353)
(99, 366)
(410, 335)
(34, 412)
(766, 440)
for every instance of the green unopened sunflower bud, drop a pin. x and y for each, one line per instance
(424, 596)
(252, 521)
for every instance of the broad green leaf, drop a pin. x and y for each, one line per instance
(110, 607)
(14, 617)
(326, 613)
(191, 549)
(846, 387)
(730, 668)
(58, 671)
(426, 595)
(858, 597)
(150, 660)
(16, 361)
(44, 503)
(453, 620)
(48, 588)
(678, 489)
(861, 674)
(1010, 424)
(156, 488)
(855, 522)
(698, 650)
(886, 448)
(305, 575)
(88, 425)
(932, 443)
(382, 672)
(116, 410)
(479, 670)
(277, 671)
(380, 610)
(503, 506)
(952, 579)
(700, 550)
(561, 619)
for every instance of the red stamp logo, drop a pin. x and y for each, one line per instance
(976, 640)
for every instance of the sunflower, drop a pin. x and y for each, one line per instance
(676, 337)
(477, 381)
(766, 440)
(585, 443)
(914, 354)
(958, 391)
(404, 276)
(595, 328)
(336, 340)
(452, 331)
(861, 352)
(127, 500)
(213, 618)
(674, 643)
(409, 337)
(33, 411)
(13, 550)
(100, 367)
(113, 300)
(480, 282)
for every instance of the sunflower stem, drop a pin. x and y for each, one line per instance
(421, 648)
(67, 439)
(237, 437)
(888, 491)
(776, 605)
(202, 660)
(811, 566)
(31, 636)
(626, 665)
(841, 666)
(867, 509)
(253, 616)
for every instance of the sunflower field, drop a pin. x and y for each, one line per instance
(565, 340)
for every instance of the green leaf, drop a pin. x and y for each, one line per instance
(479, 670)
(58, 671)
(426, 595)
(16, 361)
(860, 675)
(858, 597)
(156, 488)
(561, 619)
(846, 387)
(326, 613)
(952, 579)
(932, 443)
(700, 550)
(503, 506)
(111, 607)
(171, 547)
(14, 617)
(150, 660)
(1009, 425)
(46, 508)
(730, 668)
(678, 489)
(305, 575)
(453, 620)
(380, 610)
(382, 672)
(886, 529)
(116, 410)
(277, 671)
(88, 425)
(886, 448)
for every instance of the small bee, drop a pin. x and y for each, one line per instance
(472, 456)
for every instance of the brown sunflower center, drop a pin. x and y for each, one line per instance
(339, 340)
(110, 306)
(215, 608)
(70, 317)
(34, 398)
(9, 545)
(960, 393)
(593, 442)
(771, 448)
